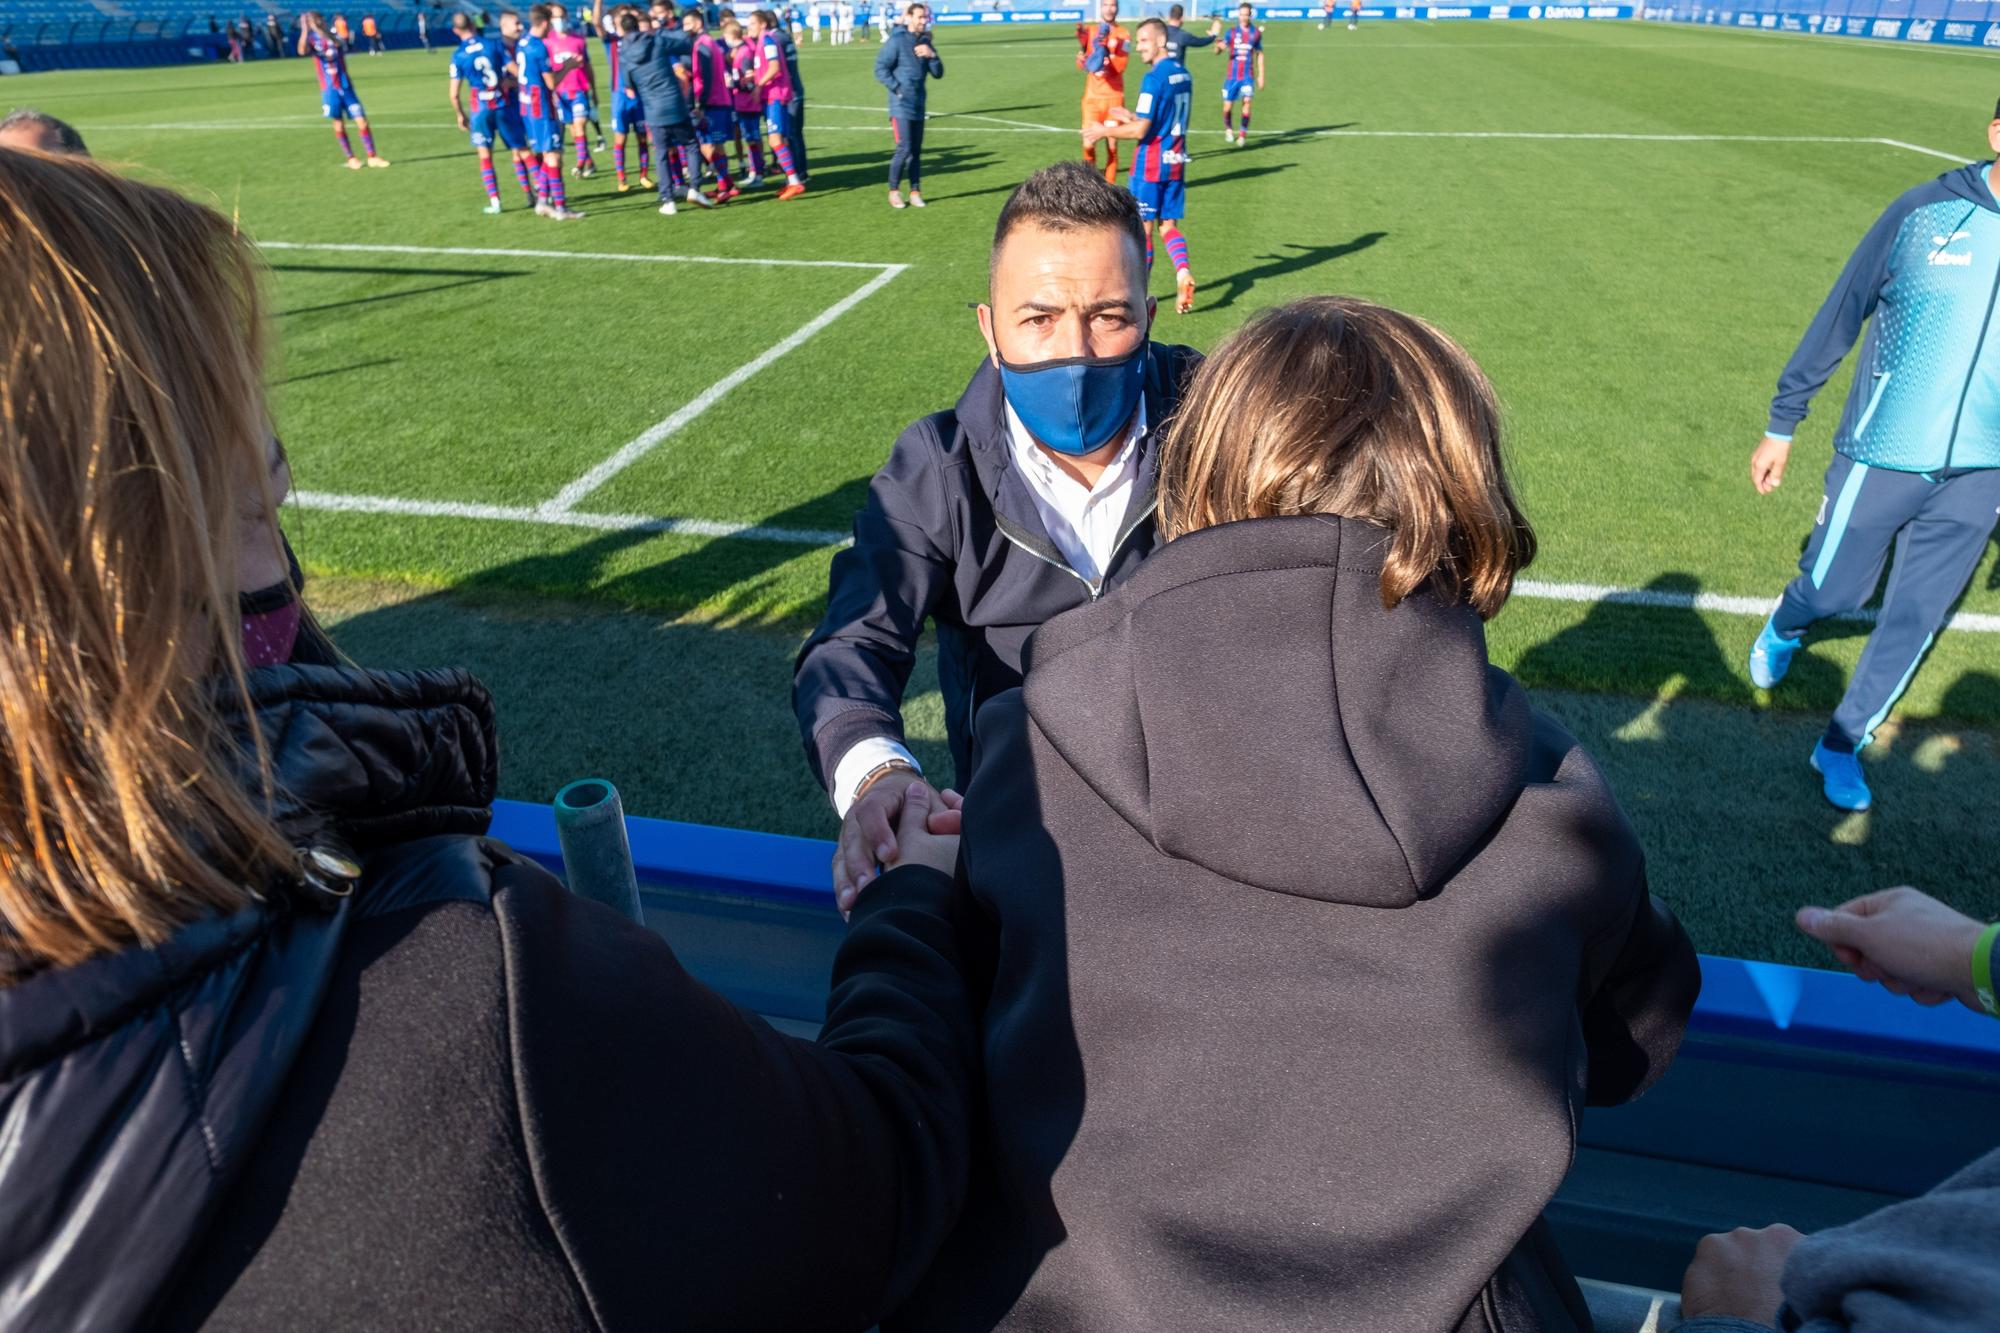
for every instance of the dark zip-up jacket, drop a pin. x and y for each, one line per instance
(463, 1099)
(648, 60)
(1926, 282)
(950, 535)
(903, 72)
(1304, 941)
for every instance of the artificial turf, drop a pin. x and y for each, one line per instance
(1632, 295)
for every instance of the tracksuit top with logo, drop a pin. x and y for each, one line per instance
(1925, 280)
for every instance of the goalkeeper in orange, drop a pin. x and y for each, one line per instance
(1104, 51)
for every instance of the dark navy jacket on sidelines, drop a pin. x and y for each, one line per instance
(950, 534)
(1926, 393)
(647, 59)
(902, 71)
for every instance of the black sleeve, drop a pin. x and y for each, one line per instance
(1643, 977)
(702, 1170)
(848, 683)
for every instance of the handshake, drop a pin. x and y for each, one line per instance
(896, 819)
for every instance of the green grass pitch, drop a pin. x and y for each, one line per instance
(536, 447)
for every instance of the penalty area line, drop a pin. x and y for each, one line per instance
(573, 494)
(1588, 594)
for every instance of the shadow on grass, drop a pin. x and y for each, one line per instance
(1736, 831)
(1241, 283)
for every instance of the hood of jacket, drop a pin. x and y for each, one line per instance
(133, 1084)
(1246, 703)
(1969, 183)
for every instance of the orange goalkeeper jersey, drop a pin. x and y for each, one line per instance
(1107, 81)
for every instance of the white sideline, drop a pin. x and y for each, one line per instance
(327, 502)
(1974, 622)
(1028, 127)
(486, 252)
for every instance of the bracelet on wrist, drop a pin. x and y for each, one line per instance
(1982, 969)
(882, 770)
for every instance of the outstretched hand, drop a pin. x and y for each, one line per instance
(1905, 941)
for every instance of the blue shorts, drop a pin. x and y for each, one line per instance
(338, 101)
(1160, 201)
(574, 108)
(778, 119)
(628, 115)
(718, 124)
(750, 124)
(545, 135)
(1234, 90)
(499, 125)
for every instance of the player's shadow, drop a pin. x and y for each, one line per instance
(465, 277)
(729, 580)
(1240, 174)
(1279, 138)
(336, 370)
(944, 161)
(1303, 257)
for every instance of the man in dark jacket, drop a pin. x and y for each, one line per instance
(902, 66)
(443, 1093)
(1338, 934)
(657, 62)
(1031, 497)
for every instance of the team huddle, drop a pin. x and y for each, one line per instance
(1157, 125)
(689, 97)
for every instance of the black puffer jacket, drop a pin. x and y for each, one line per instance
(1311, 939)
(462, 1099)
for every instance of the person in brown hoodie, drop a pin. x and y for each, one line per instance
(1303, 937)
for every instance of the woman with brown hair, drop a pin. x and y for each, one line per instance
(285, 1043)
(1306, 936)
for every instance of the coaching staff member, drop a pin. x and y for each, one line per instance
(1031, 497)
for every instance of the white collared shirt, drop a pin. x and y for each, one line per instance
(1084, 522)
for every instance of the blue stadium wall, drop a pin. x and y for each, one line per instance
(1925, 22)
(1314, 11)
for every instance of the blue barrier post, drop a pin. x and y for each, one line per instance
(597, 856)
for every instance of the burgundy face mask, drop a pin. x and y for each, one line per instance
(271, 619)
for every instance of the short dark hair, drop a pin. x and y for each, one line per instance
(1070, 196)
(67, 139)
(540, 14)
(628, 22)
(1152, 23)
(1176, 12)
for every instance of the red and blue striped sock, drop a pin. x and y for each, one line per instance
(340, 133)
(521, 175)
(756, 158)
(488, 179)
(557, 198)
(784, 152)
(645, 156)
(1177, 250)
(368, 142)
(583, 157)
(1246, 117)
(676, 169)
(618, 160)
(1228, 115)
(721, 166)
(1149, 254)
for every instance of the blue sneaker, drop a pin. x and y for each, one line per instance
(1770, 656)
(1840, 778)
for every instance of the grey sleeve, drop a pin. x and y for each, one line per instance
(1930, 1263)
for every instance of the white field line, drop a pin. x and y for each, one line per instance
(1025, 127)
(488, 252)
(1589, 594)
(573, 494)
(328, 502)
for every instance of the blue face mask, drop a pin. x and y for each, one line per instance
(1079, 403)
